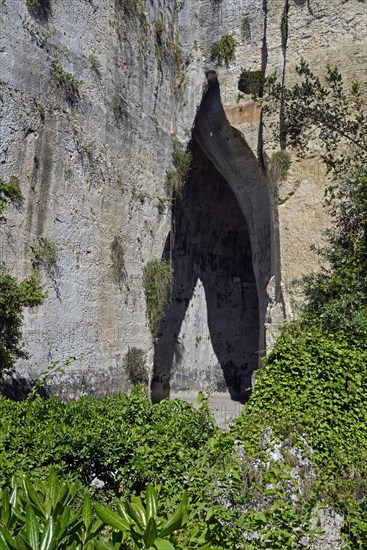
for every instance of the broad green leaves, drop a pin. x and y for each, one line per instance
(141, 523)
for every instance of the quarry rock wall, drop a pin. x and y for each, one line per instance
(93, 96)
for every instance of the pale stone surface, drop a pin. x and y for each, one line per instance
(92, 173)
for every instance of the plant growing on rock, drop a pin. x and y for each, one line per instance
(336, 295)
(224, 49)
(175, 179)
(157, 281)
(95, 63)
(67, 82)
(43, 253)
(322, 107)
(14, 295)
(119, 107)
(251, 82)
(9, 194)
(312, 386)
(136, 366)
(279, 164)
(133, 6)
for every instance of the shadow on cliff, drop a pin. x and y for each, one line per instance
(209, 243)
(40, 9)
(17, 388)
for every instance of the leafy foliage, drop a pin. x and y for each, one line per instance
(130, 445)
(136, 366)
(326, 111)
(311, 388)
(251, 82)
(43, 253)
(67, 82)
(158, 280)
(141, 523)
(224, 49)
(45, 516)
(9, 194)
(337, 295)
(125, 441)
(175, 179)
(313, 385)
(14, 297)
(279, 165)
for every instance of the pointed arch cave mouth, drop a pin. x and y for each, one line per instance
(209, 337)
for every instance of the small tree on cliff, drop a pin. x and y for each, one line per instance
(326, 111)
(14, 295)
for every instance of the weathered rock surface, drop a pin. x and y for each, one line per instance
(91, 156)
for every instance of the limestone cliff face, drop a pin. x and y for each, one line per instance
(91, 152)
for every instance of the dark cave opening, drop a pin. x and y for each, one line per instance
(209, 337)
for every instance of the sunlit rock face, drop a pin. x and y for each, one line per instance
(91, 162)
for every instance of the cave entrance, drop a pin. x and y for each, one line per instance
(209, 338)
(227, 299)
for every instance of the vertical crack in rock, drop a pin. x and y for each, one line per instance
(264, 64)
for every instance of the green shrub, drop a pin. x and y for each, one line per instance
(95, 63)
(224, 49)
(159, 27)
(136, 366)
(119, 107)
(43, 253)
(158, 280)
(279, 165)
(246, 28)
(141, 524)
(67, 82)
(125, 441)
(176, 179)
(312, 389)
(14, 297)
(9, 194)
(251, 82)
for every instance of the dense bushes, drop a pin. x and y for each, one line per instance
(311, 391)
(124, 441)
